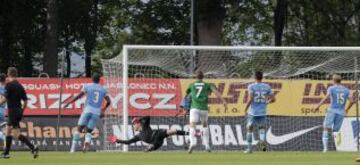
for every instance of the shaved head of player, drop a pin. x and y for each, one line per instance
(14, 95)
(338, 95)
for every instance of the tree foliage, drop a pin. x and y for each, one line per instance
(96, 29)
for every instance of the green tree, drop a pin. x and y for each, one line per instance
(21, 35)
(320, 23)
(160, 22)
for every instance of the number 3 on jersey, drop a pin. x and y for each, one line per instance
(96, 96)
(199, 89)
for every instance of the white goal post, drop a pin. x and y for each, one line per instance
(297, 74)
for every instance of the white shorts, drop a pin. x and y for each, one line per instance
(198, 115)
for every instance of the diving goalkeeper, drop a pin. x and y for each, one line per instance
(155, 138)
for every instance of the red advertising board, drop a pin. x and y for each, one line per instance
(155, 97)
(44, 96)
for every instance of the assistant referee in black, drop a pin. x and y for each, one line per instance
(14, 95)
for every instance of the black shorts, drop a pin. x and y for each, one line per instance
(14, 117)
(158, 138)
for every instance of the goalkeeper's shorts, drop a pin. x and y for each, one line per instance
(2, 118)
(158, 138)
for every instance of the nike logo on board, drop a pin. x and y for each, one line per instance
(278, 139)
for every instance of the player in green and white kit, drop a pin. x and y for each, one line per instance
(199, 92)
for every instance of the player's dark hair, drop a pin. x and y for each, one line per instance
(96, 77)
(199, 75)
(337, 78)
(258, 75)
(12, 72)
(2, 77)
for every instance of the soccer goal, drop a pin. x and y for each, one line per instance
(152, 80)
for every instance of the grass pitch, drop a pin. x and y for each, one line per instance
(182, 158)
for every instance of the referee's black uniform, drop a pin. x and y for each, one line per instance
(15, 93)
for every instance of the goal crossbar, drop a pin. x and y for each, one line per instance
(263, 48)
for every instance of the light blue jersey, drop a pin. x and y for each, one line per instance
(260, 91)
(2, 107)
(338, 97)
(2, 93)
(95, 94)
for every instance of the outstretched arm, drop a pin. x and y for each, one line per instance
(322, 102)
(108, 102)
(250, 99)
(132, 140)
(80, 95)
(24, 99)
(352, 100)
(2, 99)
(25, 104)
(271, 99)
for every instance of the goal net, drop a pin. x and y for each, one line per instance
(152, 80)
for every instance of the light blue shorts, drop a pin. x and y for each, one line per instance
(259, 121)
(89, 120)
(2, 118)
(333, 121)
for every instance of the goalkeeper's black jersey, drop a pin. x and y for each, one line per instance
(146, 134)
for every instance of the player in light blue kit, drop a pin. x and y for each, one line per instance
(338, 95)
(95, 94)
(260, 94)
(2, 107)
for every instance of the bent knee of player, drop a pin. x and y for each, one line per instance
(8, 130)
(327, 127)
(81, 128)
(249, 128)
(15, 132)
(204, 123)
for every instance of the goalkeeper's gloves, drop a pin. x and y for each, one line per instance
(112, 139)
